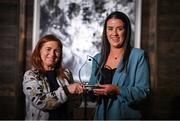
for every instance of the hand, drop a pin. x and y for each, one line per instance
(76, 88)
(106, 89)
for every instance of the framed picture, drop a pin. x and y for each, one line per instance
(79, 23)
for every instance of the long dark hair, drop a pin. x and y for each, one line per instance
(105, 48)
(35, 59)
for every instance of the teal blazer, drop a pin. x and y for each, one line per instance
(134, 86)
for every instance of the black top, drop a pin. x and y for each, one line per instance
(107, 75)
(51, 76)
(106, 79)
(59, 113)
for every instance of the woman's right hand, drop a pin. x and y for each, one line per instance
(76, 88)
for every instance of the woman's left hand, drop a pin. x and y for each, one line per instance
(105, 89)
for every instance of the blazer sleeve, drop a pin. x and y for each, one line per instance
(138, 79)
(37, 92)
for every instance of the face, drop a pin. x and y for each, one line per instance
(50, 53)
(115, 32)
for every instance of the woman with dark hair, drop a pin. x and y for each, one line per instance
(121, 74)
(47, 85)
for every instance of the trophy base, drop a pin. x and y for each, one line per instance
(91, 87)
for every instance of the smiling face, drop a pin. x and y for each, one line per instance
(115, 32)
(50, 53)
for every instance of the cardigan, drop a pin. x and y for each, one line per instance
(133, 84)
(39, 99)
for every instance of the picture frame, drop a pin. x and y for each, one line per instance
(78, 30)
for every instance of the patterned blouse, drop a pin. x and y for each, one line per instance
(39, 98)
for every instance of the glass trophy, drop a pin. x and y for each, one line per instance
(84, 77)
(85, 72)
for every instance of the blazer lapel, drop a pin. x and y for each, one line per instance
(118, 79)
(119, 76)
